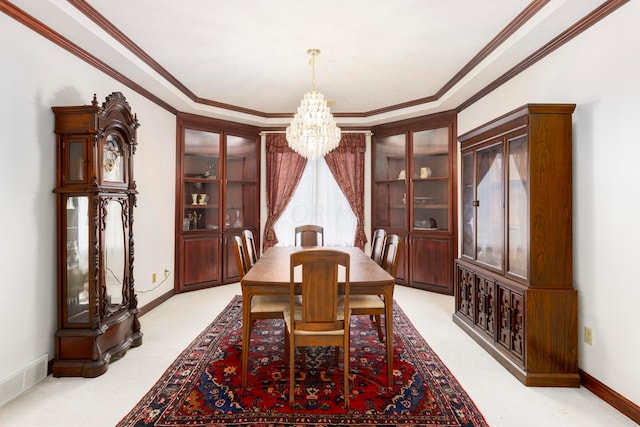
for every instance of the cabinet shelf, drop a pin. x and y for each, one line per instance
(200, 179)
(432, 179)
(392, 181)
(431, 206)
(199, 206)
(432, 154)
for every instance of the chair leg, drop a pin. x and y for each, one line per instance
(346, 375)
(245, 355)
(286, 348)
(379, 327)
(292, 379)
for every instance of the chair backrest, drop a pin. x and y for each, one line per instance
(319, 290)
(377, 245)
(307, 235)
(241, 256)
(250, 247)
(391, 254)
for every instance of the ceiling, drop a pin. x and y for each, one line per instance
(246, 60)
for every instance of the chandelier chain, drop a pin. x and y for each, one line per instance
(312, 62)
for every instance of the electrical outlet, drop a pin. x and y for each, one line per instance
(153, 278)
(588, 335)
(166, 273)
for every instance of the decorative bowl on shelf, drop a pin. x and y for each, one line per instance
(426, 224)
(423, 200)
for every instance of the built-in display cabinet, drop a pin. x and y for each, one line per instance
(217, 196)
(513, 284)
(414, 196)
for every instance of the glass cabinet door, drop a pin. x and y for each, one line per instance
(77, 267)
(241, 184)
(391, 178)
(74, 163)
(201, 180)
(468, 206)
(430, 179)
(518, 194)
(489, 203)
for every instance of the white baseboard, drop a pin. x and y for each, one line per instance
(14, 385)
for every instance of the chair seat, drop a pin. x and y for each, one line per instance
(297, 315)
(269, 303)
(365, 301)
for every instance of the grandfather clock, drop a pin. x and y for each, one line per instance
(95, 195)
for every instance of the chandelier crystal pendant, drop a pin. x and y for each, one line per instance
(313, 131)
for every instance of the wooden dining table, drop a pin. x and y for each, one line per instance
(270, 276)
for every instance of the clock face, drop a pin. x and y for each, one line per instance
(112, 161)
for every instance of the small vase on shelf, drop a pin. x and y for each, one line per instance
(238, 222)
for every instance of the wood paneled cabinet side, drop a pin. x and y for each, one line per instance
(514, 293)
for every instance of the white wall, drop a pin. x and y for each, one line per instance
(600, 72)
(34, 76)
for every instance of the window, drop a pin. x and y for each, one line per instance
(318, 200)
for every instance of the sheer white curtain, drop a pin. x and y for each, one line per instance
(318, 200)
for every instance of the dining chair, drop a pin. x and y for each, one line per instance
(262, 306)
(309, 235)
(377, 244)
(250, 247)
(241, 256)
(373, 305)
(318, 319)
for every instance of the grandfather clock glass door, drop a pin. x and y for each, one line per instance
(114, 255)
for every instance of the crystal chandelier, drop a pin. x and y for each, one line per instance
(313, 131)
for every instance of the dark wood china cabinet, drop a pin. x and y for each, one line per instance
(95, 196)
(514, 292)
(217, 197)
(414, 195)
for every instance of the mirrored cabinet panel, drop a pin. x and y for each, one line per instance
(95, 196)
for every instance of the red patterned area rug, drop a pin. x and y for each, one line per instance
(203, 385)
